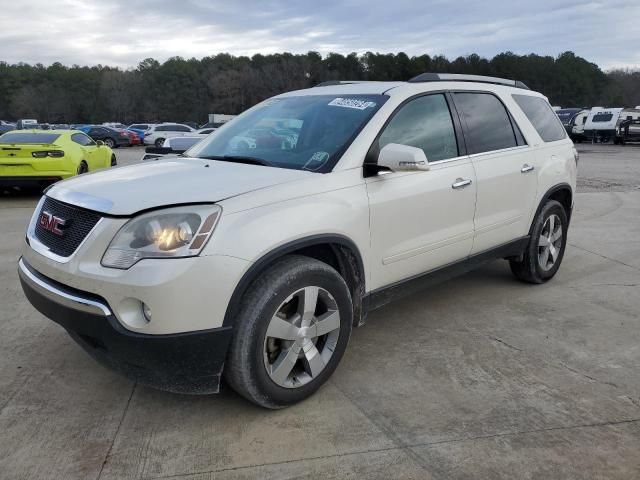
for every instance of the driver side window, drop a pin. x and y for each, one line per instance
(424, 123)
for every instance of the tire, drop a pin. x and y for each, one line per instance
(536, 266)
(110, 142)
(159, 142)
(83, 168)
(251, 367)
(114, 162)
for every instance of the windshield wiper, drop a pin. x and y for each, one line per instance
(239, 159)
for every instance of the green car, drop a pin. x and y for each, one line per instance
(42, 157)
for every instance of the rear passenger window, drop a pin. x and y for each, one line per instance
(488, 124)
(542, 117)
(424, 123)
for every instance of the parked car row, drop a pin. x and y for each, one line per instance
(601, 124)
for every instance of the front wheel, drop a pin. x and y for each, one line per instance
(545, 250)
(291, 332)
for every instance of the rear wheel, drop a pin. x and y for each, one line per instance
(109, 142)
(114, 162)
(83, 167)
(159, 142)
(291, 332)
(545, 250)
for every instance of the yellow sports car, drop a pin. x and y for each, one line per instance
(42, 157)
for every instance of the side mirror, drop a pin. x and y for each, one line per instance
(100, 143)
(402, 158)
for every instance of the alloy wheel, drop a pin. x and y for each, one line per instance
(301, 337)
(550, 242)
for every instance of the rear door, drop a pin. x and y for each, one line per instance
(420, 221)
(504, 166)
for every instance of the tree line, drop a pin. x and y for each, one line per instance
(189, 89)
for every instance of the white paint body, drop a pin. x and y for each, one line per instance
(154, 134)
(403, 223)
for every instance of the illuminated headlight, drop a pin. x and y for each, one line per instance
(170, 233)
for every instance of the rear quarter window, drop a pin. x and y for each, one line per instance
(542, 117)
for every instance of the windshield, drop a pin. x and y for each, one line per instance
(303, 133)
(29, 137)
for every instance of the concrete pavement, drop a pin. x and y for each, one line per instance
(480, 377)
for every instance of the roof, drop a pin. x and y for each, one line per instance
(424, 82)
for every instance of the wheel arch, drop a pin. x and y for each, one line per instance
(336, 250)
(562, 193)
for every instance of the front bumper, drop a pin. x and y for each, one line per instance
(190, 362)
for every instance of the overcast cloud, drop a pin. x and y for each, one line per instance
(124, 32)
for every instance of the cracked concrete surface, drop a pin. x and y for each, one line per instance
(480, 377)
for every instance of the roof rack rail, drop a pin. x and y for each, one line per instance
(456, 77)
(330, 83)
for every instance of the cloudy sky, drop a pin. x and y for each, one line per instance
(123, 32)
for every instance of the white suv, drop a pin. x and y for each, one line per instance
(157, 134)
(254, 260)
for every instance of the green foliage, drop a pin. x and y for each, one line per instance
(188, 89)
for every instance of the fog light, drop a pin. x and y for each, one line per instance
(146, 311)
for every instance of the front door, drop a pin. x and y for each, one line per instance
(420, 221)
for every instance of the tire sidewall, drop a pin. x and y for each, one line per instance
(258, 322)
(552, 207)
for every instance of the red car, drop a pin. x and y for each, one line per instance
(134, 138)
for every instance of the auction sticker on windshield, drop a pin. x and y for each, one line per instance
(351, 103)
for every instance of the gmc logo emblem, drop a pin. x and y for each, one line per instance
(52, 223)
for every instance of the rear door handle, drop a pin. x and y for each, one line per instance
(460, 183)
(526, 168)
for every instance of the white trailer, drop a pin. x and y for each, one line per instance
(600, 126)
(220, 118)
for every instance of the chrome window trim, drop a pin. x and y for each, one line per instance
(502, 150)
(60, 296)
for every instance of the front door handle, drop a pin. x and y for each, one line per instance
(526, 168)
(460, 183)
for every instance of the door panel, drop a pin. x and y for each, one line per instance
(418, 221)
(505, 196)
(505, 169)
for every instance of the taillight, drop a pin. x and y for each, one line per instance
(48, 153)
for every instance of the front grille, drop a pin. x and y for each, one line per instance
(78, 224)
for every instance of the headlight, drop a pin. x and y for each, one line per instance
(170, 233)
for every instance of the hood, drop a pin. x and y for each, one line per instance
(127, 190)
